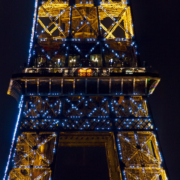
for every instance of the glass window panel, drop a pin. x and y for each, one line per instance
(95, 60)
(127, 87)
(40, 61)
(74, 61)
(80, 86)
(56, 86)
(59, 61)
(92, 86)
(140, 87)
(115, 86)
(112, 61)
(32, 86)
(104, 86)
(44, 86)
(68, 86)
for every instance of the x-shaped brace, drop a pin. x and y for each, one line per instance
(74, 105)
(137, 150)
(116, 23)
(83, 25)
(47, 56)
(53, 21)
(98, 106)
(86, 19)
(37, 151)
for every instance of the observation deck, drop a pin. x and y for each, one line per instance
(82, 81)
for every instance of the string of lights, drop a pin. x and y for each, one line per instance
(14, 136)
(33, 30)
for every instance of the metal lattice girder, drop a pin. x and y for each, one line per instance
(59, 23)
(78, 106)
(91, 112)
(53, 22)
(44, 107)
(116, 23)
(140, 154)
(134, 106)
(84, 12)
(27, 173)
(32, 158)
(31, 147)
(87, 22)
(77, 124)
(139, 149)
(145, 173)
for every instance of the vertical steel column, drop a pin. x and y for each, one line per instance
(69, 37)
(50, 85)
(61, 86)
(86, 86)
(55, 155)
(74, 85)
(110, 85)
(100, 36)
(62, 99)
(134, 81)
(35, 37)
(26, 86)
(97, 86)
(17, 131)
(146, 87)
(122, 86)
(38, 85)
(114, 129)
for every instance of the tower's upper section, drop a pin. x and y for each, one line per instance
(82, 47)
(82, 33)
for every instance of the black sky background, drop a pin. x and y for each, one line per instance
(157, 32)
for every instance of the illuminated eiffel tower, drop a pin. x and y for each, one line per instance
(83, 87)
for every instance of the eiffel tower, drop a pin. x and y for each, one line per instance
(83, 88)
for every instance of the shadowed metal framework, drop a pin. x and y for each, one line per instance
(83, 86)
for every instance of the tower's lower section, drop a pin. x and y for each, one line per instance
(120, 125)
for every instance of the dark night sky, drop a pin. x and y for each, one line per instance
(157, 30)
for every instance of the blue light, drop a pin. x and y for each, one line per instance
(14, 136)
(33, 28)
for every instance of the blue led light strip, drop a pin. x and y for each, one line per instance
(14, 136)
(33, 28)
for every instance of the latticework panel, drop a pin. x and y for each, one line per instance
(91, 113)
(40, 124)
(87, 124)
(145, 173)
(33, 156)
(131, 123)
(84, 19)
(140, 154)
(135, 107)
(27, 173)
(37, 107)
(91, 107)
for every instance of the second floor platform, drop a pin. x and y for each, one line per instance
(83, 81)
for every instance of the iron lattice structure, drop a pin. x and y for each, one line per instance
(83, 87)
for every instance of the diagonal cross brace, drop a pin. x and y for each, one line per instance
(53, 22)
(85, 20)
